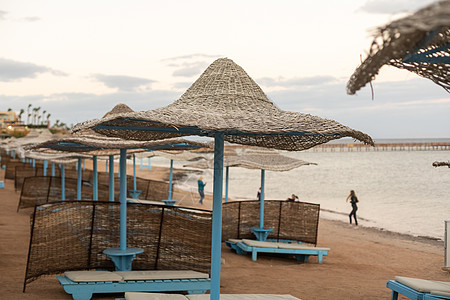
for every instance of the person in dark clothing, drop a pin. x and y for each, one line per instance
(292, 198)
(258, 195)
(353, 200)
(201, 189)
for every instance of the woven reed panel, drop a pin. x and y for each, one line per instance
(11, 165)
(72, 235)
(21, 172)
(290, 220)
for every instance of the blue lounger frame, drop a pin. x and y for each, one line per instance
(84, 290)
(300, 254)
(399, 288)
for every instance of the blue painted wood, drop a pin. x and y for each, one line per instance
(122, 258)
(170, 180)
(45, 167)
(217, 215)
(123, 198)
(429, 56)
(261, 233)
(84, 291)
(141, 164)
(111, 178)
(169, 202)
(134, 172)
(53, 169)
(226, 183)
(134, 193)
(261, 200)
(34, 162)
(398, 288)
(298, 252)
(63, 183)
(95, 178)
(79, 179)
(150, 164)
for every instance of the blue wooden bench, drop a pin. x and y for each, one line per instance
(301, 252)
(419, 289)
(82, 284)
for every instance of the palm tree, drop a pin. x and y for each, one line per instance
(21, 113)
(48, 120)
(57, 123)
(39, 120)
(37, 112)
(43, 115)
(9, 109)
(28, 113)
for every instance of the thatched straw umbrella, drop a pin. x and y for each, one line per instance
(419, 43)
(259, 159)
(225, 103)
(177, 156)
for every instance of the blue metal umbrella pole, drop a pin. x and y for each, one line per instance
(95, 178)
(45, 167)
(260, 232)
(63, 183)
(226, 183)
(123, 256)
(216, 242)
(79, 179)
(134, 193)
(111, 178)
(169, 200)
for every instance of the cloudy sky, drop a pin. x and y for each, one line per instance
(78, 59)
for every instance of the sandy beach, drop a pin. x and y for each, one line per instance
(360, 262)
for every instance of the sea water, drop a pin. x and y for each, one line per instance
(398, 191)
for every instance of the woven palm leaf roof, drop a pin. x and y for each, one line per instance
(441, 164)
(101, 145)
(178, 156)
(261, 159)
(59, 158)
(424, 34)
(34, 136)
(225, 99)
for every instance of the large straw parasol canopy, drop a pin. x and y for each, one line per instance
(441, 164)
(419, 43)
(225, 99)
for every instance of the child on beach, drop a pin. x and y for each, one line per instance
(201, 189)
(353, 201)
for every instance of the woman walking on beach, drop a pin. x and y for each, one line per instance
(353, 201)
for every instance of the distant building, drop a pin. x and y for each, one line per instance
(8, 118)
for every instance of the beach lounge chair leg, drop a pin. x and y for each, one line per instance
(394, 295)
(320, 256)
(82, 295)
(302, 257)
(254, 254)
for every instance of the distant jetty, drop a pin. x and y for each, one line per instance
(399, 146)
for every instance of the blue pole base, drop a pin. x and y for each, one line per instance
(169, 202)
(122, 259)
(134, 193)
(261, 233)
(2, 185)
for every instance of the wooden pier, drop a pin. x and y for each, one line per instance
(433, 146)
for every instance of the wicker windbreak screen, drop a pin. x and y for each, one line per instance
(297, 221)
(36, 190)
(72, 235)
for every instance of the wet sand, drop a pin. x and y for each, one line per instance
(360, 262)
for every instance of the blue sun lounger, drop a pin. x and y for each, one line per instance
(151, 296)
(82, 284)
(419, 289)
(301, 252)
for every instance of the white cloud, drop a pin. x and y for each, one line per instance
(393, 6)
